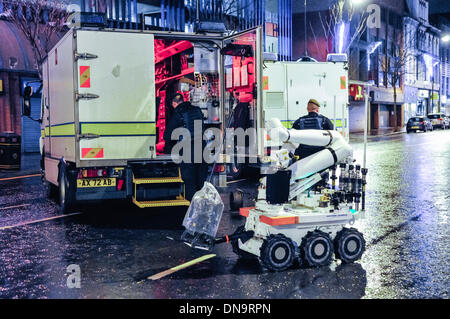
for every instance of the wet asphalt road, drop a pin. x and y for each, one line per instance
(117, 246)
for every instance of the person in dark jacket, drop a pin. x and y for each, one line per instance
(241, 117)
(312, 121)
(194, 170)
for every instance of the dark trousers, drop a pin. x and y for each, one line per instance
(194, 176)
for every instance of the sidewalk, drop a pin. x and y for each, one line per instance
(389, 131)
(30, 164)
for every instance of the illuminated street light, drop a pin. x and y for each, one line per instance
(446, 38)
(371, 49)
(341, 36)
(373, 46)
(429, 64)
(357, 2)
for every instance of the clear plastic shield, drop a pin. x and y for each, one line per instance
(203, 217)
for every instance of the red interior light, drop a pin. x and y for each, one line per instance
(219, 168)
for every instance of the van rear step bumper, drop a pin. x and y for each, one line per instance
(161, 203)
(161, 180)
(157, 190)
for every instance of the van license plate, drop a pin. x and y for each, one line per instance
(414, 127)
(96, 182)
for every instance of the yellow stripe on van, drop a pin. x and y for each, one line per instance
(338, 123)
(288, 124)
(63, 130)
(59, 130)
(118, 129)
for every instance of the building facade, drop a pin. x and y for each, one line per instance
(422, 71)
(398, 56)
(275, 16)
(442, 21)
(445, 71)
(17, 67)
(366, 45)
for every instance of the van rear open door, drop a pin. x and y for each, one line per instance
(115, 96)
(242, 86)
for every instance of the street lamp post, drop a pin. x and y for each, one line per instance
(445, 39)
(432, 94)
(370, 50)
(432, 88)
(357, 2)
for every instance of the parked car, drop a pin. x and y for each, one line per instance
(437, 120)
(418, 123)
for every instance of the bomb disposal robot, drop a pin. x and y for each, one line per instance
(295, 219)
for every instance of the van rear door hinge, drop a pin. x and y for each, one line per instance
(87, 136)
(86, 96)
(85, 56)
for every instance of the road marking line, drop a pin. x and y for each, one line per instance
(11, 207)
(180, 267)
(37, 221)
(19, 177)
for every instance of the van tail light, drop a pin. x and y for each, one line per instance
(422, 122)
(119, 184)
(89, 173)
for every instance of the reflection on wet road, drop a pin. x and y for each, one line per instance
(117, 246)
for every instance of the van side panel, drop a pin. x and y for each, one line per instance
(61, 100)
(323, 82)
(288, 86)
(45, 112)
(275, 96)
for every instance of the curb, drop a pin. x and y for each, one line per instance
(390, 134)
(376, 136)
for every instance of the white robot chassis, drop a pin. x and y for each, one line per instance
(299, 218)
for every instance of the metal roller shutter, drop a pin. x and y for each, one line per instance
(31, 130)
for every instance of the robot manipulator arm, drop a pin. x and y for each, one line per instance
(337, 149)
(307, 137)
